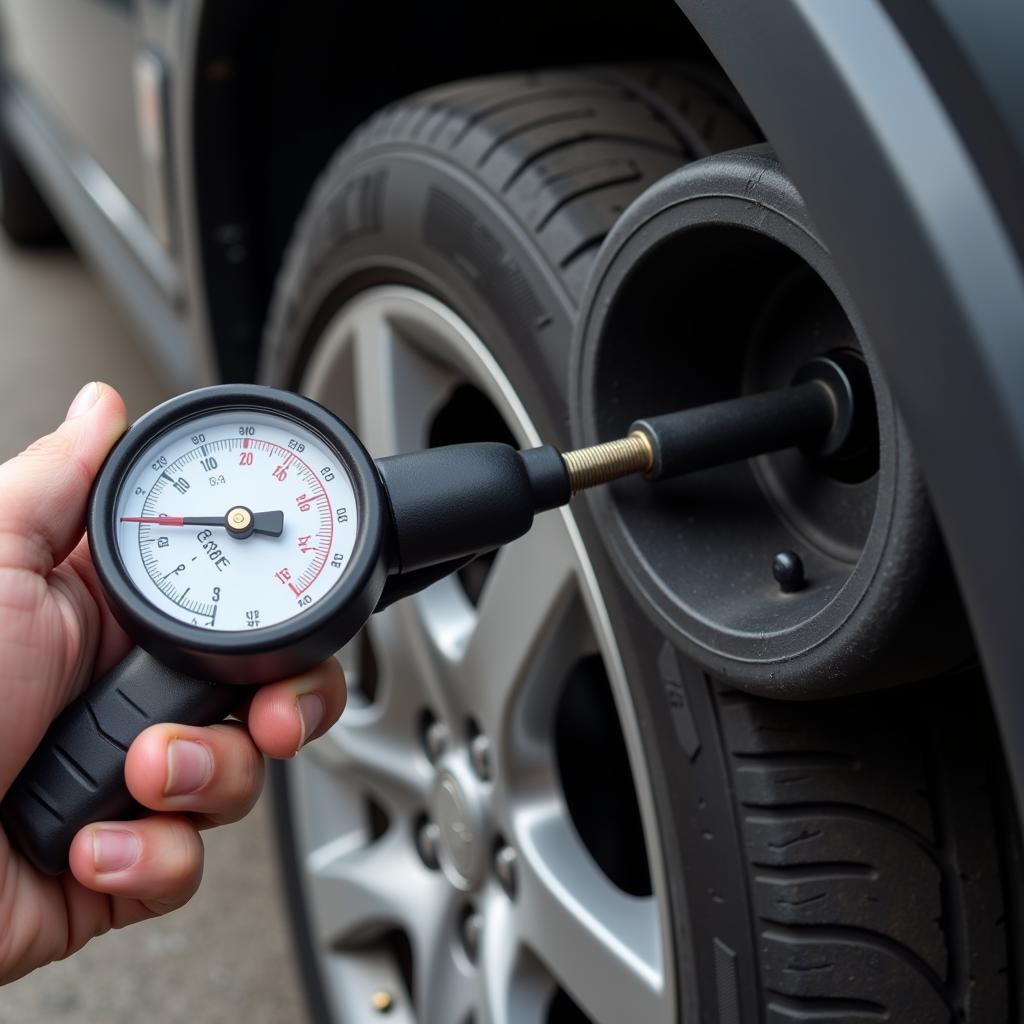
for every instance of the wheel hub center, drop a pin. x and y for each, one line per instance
(458, 810)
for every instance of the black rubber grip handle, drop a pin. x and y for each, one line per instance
(76, 775)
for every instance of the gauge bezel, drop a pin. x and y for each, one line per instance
(274, 651)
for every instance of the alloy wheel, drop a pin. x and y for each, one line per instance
(444, 871)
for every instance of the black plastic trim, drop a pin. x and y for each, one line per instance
(914, 233)
(974, 108)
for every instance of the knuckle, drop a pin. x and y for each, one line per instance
(47, 449)
(55, 456)
(181, 860)
(247, 779)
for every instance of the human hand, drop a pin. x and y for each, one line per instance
(56, 636)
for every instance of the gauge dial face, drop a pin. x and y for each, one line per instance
(236, 520)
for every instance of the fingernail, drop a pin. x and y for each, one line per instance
(84, 400)
(311, 713)
(113, 850)
(189, 767)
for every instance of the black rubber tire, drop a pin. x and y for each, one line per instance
(24, 216)
(829, 861)
(871, 830)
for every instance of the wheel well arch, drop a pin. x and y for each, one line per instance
(274, 93)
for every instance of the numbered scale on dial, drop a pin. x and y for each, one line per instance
(238, 525)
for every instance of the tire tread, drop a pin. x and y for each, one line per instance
(505, 129)
(858, 819)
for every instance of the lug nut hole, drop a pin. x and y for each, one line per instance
(470, 926)
(428, 841)
(434, 736)
(480, 753)
(506, 866)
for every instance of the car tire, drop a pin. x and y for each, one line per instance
(827, 861)
(24, 216)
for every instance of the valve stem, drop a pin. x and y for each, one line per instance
(602, 463)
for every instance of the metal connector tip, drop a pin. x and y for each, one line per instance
(602, 463)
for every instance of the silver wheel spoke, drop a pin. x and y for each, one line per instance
(353, 893)
(443, 979)
(411, 666)
(429, 632)
(398, 387)
(499, 947)
(512, 987)
(602, 945)
(445, 987)
(358, 747)
(451, 998)
(520, 633)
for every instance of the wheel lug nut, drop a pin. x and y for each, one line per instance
(428, 838)
(470, 928)
(505, 861)
(480, 756)
(435, 739)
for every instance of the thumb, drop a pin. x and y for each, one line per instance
(43, 491)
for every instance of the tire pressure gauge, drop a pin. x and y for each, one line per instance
(240, 533)
(243, 534)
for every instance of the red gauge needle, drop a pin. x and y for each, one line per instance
(165, 520)
(239, 521)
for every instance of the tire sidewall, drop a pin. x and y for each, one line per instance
(393, 245)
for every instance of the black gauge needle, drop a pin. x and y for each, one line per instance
(238, 521)
(269, 523)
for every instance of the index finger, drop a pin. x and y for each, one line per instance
(283, 717)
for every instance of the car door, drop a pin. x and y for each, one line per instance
(77, 57)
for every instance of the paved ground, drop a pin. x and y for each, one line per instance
(226, 956)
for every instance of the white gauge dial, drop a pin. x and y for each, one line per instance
(236, 520)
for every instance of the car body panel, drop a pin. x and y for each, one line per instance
(99, 193)
(76, 57)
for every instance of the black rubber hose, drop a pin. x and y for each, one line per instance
(712, 435)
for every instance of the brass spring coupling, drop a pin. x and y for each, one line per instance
(602, 463)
